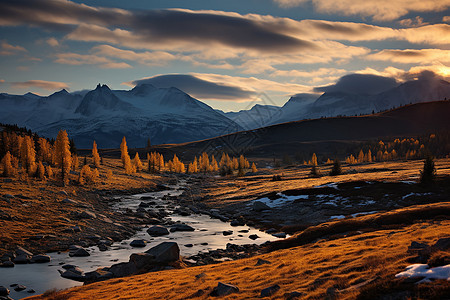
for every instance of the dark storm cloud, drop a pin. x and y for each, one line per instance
(197, 87)
(361, 84)
(155, 25)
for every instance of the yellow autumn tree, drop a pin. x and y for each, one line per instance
(137, 163)
(254, 169)
(7, 166)
(28, 155)
(314, 159)
(45, 150)
(361, 156)
(40, 173)
(95, 155)
(126, 160)
(63, 158)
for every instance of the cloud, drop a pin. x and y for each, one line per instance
(88, 59)
(42, 84)
(416, 22)
(411, 56)
(306, 74)
(2, 80)
(361, 84)
(8, 49)
(52, 42)
(148, 58)
(199, 88)
(380, 10)
(412, 74)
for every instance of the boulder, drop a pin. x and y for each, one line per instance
(142, 260)
(21, 259)
(267, 292)
(165, 252)
(281, 235)
(223, 289)
(138, 243)
(7, 264)
(99, 274)
(19, 288)
(40, 258)
(181, 227)
(227, 232)
(22, 251)
(442, 244)
(4, 291)
(253, 236)
(259, 206)
(123, 269)
(79, 253)
(157, 230)
(73, 274)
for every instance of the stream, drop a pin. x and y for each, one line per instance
(207, 236)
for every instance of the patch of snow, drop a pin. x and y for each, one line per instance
(416, 194)
(357, 187)
(282, 201)
(364, 213)
(331, 185)
(423, 270)
(408, 181)
(367, 202)
(337, 217)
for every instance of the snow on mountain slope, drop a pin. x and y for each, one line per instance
(163, 115)
(256, 117)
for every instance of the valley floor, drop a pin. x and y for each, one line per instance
(342, 255)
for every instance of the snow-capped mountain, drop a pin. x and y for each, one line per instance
(165, 115)
(256, 117)
(344, 103)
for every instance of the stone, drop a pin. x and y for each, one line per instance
(4, 291)
(227, 232)
(123, 269)
(8, 196)
(253, 236)
(157, 230)
(68, 267)
(22, 251)
(102, 247)
(267, 292)
(7, 264)
(99, 274)
(223, 289)
(40, 258)
(21, 259)
(262, 262)
(271, 230)
(442, 244)
(165, 252)
(79, 253)
(189, 245)
(417, 246)
(236, 223)
(259, 206)
(138, 243)
(281, 235)
(31, 291)
(73, 274)
(181, 227)
(69, 201)
(19, 288)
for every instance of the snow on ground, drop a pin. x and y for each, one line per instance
(423, 270)
(339, 217)
(330, 184)
(415, 194)
(282, 201)
(408, 181)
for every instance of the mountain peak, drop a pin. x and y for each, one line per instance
(102, 87)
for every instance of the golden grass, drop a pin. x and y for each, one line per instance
(311, 269)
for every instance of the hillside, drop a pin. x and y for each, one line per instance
(328, 134)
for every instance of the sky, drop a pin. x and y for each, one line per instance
(230, 54)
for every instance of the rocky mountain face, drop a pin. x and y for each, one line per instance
(165, 115)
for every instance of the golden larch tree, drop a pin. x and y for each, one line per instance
(7, 166)
(95, 155)
(63, 158)
(137, 163)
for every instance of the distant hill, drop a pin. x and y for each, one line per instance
(327, 134)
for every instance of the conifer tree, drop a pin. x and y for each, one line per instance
(28, 155)
(49, 171)
(137, 163)
(126, 160)
(254, 169)
(75, 162)
(63, 158)
(7, 166)
(40, 173)
(361, 156)
(336, 170)
(314, 159)
(214, 165)
(95, 155)
(428, 175)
